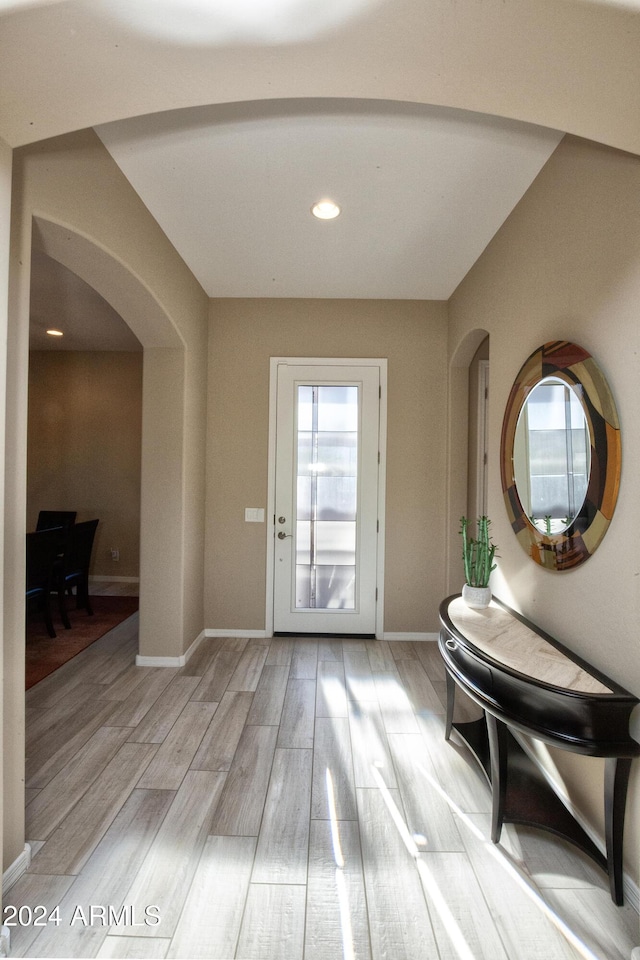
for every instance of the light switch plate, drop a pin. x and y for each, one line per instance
(254, 514)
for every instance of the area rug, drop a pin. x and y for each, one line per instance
(45, 654)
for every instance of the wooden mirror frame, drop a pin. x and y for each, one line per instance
(575, 544)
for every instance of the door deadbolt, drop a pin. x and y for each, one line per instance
(282, 519)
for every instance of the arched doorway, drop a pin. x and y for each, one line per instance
(162, 402)
(84, 427)
(463, 493)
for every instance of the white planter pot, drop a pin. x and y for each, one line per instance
(477, 597)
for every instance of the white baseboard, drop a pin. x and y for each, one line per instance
(99, 578)
(410, 636)
(19, 866)
(630, 887)
(263, 635)
(142, 661)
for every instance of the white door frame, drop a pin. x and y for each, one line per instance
(482, 438)
(271, 485)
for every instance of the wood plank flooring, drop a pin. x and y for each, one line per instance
(291, 799)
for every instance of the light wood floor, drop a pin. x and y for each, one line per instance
(281, 800)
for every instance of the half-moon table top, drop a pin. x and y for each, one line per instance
(509, 641)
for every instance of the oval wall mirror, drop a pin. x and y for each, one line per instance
(560, 455)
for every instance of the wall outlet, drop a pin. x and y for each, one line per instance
(115, 553)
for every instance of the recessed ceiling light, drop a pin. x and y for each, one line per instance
(55, 333)
(325, 210)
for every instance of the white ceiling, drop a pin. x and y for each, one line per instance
(422, 190)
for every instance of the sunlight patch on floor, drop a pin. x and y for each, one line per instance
(463, 951)
(515, 872)
(436, 899)
(348, 951)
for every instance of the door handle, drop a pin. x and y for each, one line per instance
(283, 536)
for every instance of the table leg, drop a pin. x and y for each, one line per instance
(616, 780)
(451, 699)
(498, 749)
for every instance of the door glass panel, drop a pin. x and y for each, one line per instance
(336, 588)
(335, 542)
(337, 408)
(337, 453)
(330, 588)
(336, 498)
(326, 501)
(305, 408)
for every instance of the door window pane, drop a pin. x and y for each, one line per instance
(336, 588)
(325, 587)
(327, 491)
(337, 498)
(337, 408)
(305, 408)
(335, 542)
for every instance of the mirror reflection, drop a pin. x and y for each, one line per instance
(552, 455)
(560, 455)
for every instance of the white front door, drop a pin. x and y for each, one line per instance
(326, 536)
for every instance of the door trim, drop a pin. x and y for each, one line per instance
(482, 459)
(274, 362)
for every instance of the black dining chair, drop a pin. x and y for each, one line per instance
(72, 568)
(55, 518)
(43, 550)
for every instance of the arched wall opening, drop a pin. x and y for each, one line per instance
(162, 401)
(458, 450)
(70, 200)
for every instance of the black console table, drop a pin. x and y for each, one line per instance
(525, 680)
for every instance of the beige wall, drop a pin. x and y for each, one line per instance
(84, 446)
(566, 265)
(244, 334)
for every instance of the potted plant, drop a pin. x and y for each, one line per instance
(477, 554)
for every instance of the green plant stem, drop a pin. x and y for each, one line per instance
(477, 553)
